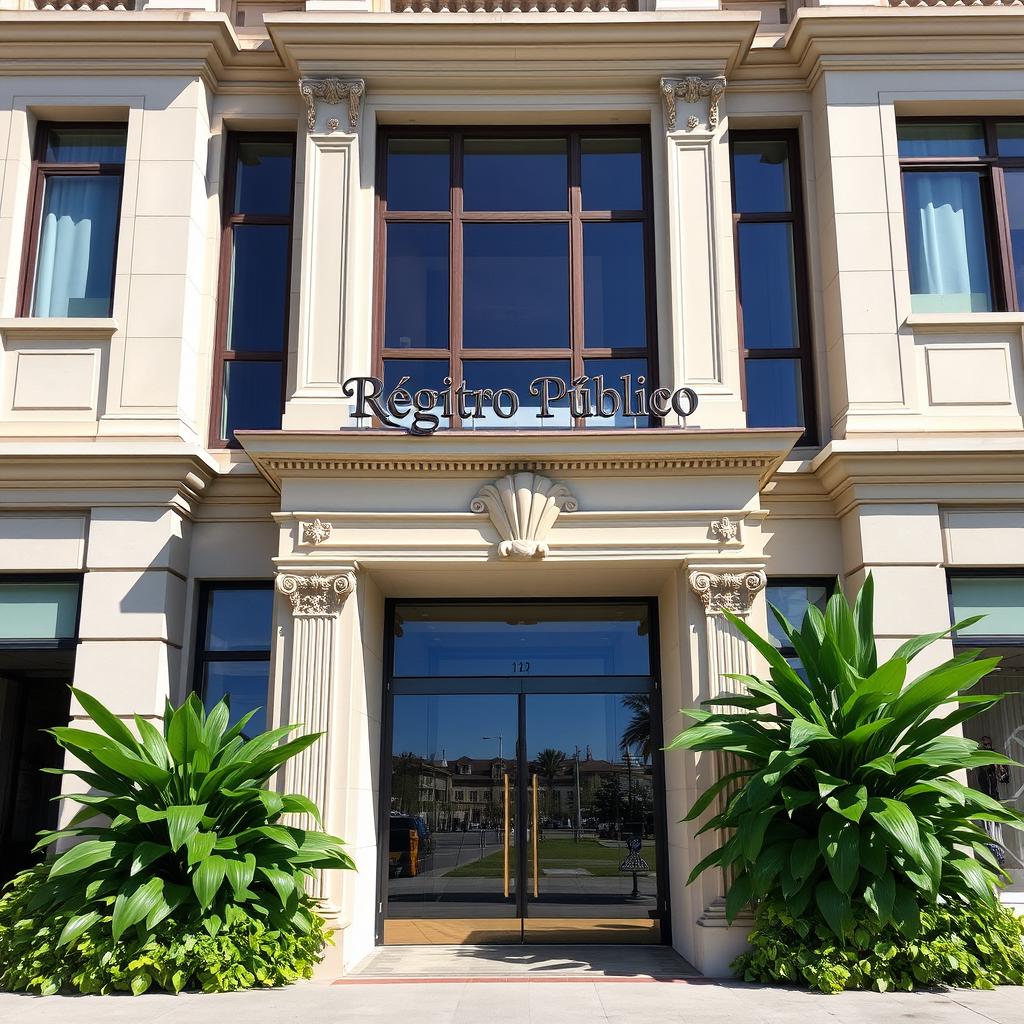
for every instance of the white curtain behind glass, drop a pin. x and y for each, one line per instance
(74, 264)
(946, 239)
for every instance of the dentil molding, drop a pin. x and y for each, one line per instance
(690, 90)
(727, 591)
(523, 507)
(316, 593)
(332, 91)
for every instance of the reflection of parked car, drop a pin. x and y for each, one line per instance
(409, 845)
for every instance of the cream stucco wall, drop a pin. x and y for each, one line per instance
(104, 468)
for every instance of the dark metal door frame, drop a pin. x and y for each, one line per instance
(522, 687)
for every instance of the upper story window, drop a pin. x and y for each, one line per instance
(233, 649)
(252, 329)
(963, 196)
(771, 261)
(74, 213)
(504, 256)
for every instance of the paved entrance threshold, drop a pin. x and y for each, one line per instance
(397, 964)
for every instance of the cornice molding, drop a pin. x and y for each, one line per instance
(663, 451)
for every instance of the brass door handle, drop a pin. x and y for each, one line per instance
(536, 880)
(506, 833)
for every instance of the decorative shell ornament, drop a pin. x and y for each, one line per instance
(523, 507)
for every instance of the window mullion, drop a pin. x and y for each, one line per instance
(455, 271)
(1003, 239)
(576, 320)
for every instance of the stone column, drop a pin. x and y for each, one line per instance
(728, 653)
(721, 592)
(316, 600)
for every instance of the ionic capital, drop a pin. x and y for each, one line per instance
(316, 594)
(727, 591)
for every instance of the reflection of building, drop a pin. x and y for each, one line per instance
(423, 787)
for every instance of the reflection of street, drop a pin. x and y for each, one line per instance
(453, 849)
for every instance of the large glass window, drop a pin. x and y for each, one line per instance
(255, 284)
(39, 609)
(771, 264)
(74, 216)
(233, 649)
(506, 256)
(998, 598)
(963, 194)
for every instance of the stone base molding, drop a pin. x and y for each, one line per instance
(316, 601)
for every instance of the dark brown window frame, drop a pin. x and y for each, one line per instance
(995, 211)
(575, 216)
(803, 351)
(41, 169)
(229, 220)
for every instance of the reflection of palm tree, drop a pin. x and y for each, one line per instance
(550, 764)
(638, 733)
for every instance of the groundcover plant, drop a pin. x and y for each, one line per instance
(864, 857)
(183, 876)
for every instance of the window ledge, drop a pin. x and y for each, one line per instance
(926, 323)
(31, 328)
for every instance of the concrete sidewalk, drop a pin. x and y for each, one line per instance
(523, 1001)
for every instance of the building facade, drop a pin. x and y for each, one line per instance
(434, 373)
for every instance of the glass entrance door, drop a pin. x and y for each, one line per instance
(592, 867)
(453, 852)
(523, 775)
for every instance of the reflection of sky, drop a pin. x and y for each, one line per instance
(456, 724)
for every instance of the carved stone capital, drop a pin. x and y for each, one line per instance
(316, 594)
(333, 91)
(523, 507)
(316, 532)
(727, 591)
(690, 90)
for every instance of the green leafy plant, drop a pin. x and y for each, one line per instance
(179, 839)
(845, 801)
(958, 945)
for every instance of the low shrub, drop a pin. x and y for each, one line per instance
(245, 952)
(959, 946)
(184, 874)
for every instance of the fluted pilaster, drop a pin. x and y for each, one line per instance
(316, 600)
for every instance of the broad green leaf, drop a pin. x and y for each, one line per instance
(738, 896)
(976, 878)
(145, 854)
(240, 873)
(207, 879)
(282, 881)
(82, 857)
(107, 721)
(802, 732)
(834, 906)
(839, 842)
(182, 822)
(879, 895)
(803, 858)
(76, 926)
(900, 825)
(134, 905)
(699, 806)
(906, 914)
(849, 801)
(199, 846)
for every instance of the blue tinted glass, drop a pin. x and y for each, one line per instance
(515, 286)
(946, 242)
(263, 181)
(760, 174)
(774, 396)
(83, 145)
(258, 296)
(252, 397)
(612, 371)
(614, 292)
(1010, 136)
(419, 174)
(792, 599)
(940, 138)
(515, 174)
(767, 285)
(416, 293)
(493, 639)
(245, 685)
(516, 375)
(77, 239)
(239, 618)
(612, 174)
